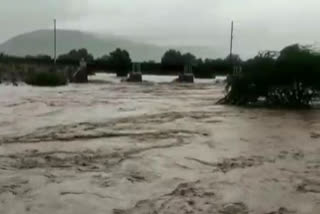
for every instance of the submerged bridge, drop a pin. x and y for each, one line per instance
(16, 68)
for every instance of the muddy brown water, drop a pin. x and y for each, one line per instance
(110, 147)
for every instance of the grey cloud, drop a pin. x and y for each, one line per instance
(18, 16)
(259, 24)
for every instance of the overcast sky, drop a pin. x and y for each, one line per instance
(259, 24)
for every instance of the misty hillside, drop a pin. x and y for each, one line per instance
(41, 42)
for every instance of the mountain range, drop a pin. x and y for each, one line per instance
(41, 42)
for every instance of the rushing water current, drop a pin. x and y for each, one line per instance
(156, 147)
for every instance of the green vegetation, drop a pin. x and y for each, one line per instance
(46, 78)
(118, 61)
(175, 58)
(77, 55)
(290, 78)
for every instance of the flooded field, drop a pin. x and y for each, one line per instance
(110, 147)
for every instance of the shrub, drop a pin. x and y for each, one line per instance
(290, 79)
(46, 78)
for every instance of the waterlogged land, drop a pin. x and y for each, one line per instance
(110, 147)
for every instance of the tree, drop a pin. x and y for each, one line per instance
(209, 68)
(175, 60)
(77, 55)
(189, 59)
(172, 58)
(120, 61)
(289, 78)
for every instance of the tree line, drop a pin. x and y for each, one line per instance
(172, 62)
(119, 61)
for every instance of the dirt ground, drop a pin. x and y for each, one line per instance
(153, 148)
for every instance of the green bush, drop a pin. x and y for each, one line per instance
(46, 78)
(289, 78)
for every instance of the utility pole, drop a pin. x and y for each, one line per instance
(231, 46)
(231, 41)
(55, 42)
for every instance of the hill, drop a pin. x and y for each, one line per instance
(41, 42)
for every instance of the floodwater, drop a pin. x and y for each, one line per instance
(111, 147)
